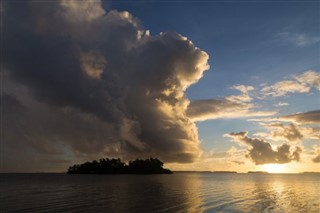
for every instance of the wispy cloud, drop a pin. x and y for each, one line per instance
(202, 110)
(233, 106)
(311, 117)
(298, 84)
(244, 97)
(281, 104)
(297, 39)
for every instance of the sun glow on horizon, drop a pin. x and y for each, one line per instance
(275, 168)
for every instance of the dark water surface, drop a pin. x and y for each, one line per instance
(180, 192)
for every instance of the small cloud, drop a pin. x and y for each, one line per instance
(316, 159)
(244, 97)
(238, 162)
(280, 104)
(214, 154)
(261, 152)
(299, 84)
(243, 88)
(310, 77)
(289, 133)
(291, 128)
(284, 87)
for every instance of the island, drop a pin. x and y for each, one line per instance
(309, 172)
(180, 171)
(224, 172)
(258, 172)
(116, 166)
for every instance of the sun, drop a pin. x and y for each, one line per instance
(274, 168)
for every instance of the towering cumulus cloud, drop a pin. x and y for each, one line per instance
(106, 79)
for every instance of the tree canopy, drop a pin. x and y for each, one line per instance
(115, 166)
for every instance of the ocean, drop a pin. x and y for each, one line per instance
(179, 192)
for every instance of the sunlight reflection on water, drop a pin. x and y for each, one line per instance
(180, 192)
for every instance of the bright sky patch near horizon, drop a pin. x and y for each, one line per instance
(203, 85)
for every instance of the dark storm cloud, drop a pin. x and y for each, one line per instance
(261, 152)
(99, 82)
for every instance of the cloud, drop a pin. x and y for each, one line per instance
(261, 152)
(311, 78)
(299, 84)
(233, 106)
(292, 128)
(201, 110)
(316, 159)
(298, 39)
(113, 86)
(81, 10)
(280, 104)
(311, 117)
(230, 153)
(289, 132)
(238, 162)
(284, 87)
(214, 154)
(244, 96)
(293, 132)
(310, 132)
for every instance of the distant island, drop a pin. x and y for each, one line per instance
(259, 172)
(181, 171)
(224, 172)
(115, 166)
(310, 173)
(205, 171)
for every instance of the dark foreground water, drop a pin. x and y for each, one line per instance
(180, 192)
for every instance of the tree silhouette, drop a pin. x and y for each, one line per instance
(115, 166)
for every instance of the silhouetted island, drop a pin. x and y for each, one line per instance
(192, 171)
(258, 172)
(310, 172)
(115, 166)
(224, 172)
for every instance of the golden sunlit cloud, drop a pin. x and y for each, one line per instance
(300, 84)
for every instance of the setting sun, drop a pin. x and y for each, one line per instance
(275, 168)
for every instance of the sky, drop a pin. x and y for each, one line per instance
(201, 85)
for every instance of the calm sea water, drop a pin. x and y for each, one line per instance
(180, 192)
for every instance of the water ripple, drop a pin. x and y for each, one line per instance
(181, 192)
